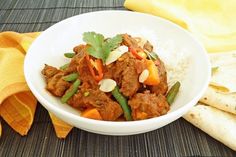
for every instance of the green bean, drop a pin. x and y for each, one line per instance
(71, 91)
(123, 103)
(69, 55)
(71, 77)
(64, 66)
(173, 92)
(151, 55)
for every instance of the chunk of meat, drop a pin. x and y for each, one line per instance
(140, 65)
(162, 87)
(146, 105)
(49, 71)
(85, 74)
(80, 51)
(55, 83)
(109, 70)
(130, 42)
(79, 64)
(109, 109)
(130, 83)
(148, 46)
(124, 72)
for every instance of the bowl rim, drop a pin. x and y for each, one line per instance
(172, 115)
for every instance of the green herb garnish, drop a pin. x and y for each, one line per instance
(69, 55)
(99, 47)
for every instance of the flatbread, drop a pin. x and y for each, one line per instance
(216, 123)
(212, 21)
(226, 102)
(224, 76)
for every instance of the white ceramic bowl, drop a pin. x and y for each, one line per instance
(50, 46)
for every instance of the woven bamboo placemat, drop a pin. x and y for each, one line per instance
(176, 139)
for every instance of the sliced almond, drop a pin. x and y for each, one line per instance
(115, 54)
(107, 85)
(143, 76)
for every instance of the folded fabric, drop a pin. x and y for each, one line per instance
(212, 21)
(61, 128)
(17, 103)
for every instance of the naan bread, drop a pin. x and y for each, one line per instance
(216, 123)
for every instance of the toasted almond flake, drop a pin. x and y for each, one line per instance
(115, 54)
(143, 76)
(107, 85)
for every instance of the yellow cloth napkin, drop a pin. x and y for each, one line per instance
(17, 103)
(211, 21)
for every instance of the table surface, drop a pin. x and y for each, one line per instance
(179, 138)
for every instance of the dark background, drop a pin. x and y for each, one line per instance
(179, 138)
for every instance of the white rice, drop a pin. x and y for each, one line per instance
(176, 62)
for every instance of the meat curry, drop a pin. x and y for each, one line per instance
(112, 79)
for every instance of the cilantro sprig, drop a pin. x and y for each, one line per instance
(99, 47)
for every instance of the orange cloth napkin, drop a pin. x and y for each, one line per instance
(17, 103)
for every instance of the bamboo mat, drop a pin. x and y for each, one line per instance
(176, 139)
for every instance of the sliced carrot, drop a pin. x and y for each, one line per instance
(92, 114)
(153, 78)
